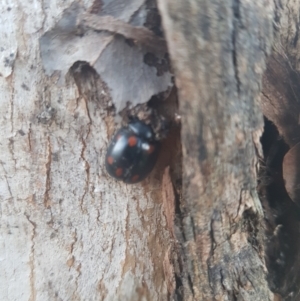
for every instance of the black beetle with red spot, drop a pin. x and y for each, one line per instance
(132, 153)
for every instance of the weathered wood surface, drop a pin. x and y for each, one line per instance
(218, 51)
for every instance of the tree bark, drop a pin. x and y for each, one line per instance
(69, 231)
(218, 51)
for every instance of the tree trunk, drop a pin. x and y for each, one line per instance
(68, 230)
(218, 50)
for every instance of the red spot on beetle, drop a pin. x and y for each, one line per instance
(135, 178)
(110, 160)
(119, 172)
(132, 141)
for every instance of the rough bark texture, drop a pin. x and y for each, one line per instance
(218, 50)
(68, 230)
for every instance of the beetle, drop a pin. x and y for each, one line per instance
(132, 152)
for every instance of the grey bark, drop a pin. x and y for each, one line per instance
(68, 231)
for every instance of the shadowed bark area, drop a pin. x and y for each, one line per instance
(218, 50)
(280, 104)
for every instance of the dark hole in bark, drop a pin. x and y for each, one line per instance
(179, 286)
(282, 219)
(81, 68)
(91, 86)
